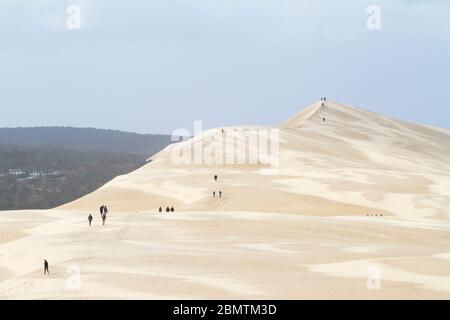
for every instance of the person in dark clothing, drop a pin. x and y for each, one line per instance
(215, 177)
(46, 267)
(214, 194)
(101, 209)
(90, 218)
(323, 119)
(105, 210)
(172, 209)
(220, 194)
(167, 209)
(104, 218)
(160, 209)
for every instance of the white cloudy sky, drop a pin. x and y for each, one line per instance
(153, 66)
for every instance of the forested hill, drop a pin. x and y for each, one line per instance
(43, 168)
(85, 139)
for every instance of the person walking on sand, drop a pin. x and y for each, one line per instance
(167, 209)
(46, 267)
(214, 194)
(172, 209)
(160, 209)
(220, 194)
(90, 219)
(215, 177)
(103, 218)
(105, 210)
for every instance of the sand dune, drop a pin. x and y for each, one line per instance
(225, 255)
(356, 162)
(350, 192)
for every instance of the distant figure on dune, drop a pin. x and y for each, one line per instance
(215, 177)
(105, 210)
(167, 209)
(223, 131)
(214, 194)
(46, 267)
(101, 209)
(220, 194)
(160, 209)
(172, 209)
(323, 119)
(90, 218)
(104, 218)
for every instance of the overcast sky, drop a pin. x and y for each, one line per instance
(153, 66)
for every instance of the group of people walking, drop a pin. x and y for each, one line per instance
(167, 209)
(103, 212)
(323, 99)
(376, 215)
(220, 191)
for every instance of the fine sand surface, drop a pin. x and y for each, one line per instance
(354, 163)
(353, 197)
(225, 255)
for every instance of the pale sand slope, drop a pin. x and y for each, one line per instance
(355, 163)
(305, 230)
(222, 255)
